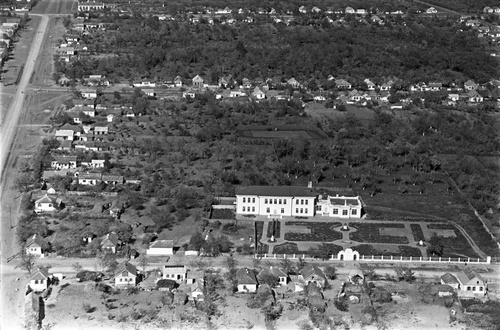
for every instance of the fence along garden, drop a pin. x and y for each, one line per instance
(374, 258)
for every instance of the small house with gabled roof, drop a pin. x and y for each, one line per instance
(312, 274)
(197, 289)
(126, 274)
(247, 280)
(110, 242)
(36, 245)
(198, 82)
(276, 272)
(468, 282)
(48, 204)
(339, 206)
(40, 279)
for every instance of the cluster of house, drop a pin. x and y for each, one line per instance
(286, 201)
(468, 283)
(7, 30)
(486, 30)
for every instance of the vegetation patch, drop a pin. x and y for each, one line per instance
(401, 251)
(319, 231)
(369, 232)
(417, 232)
(288, 248)
(274, 228)
(225, 214)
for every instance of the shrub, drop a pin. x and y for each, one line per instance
(88, 308)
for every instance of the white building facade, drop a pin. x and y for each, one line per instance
(275, 201)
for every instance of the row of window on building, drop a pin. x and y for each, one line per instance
(345, 212)
(277, 201)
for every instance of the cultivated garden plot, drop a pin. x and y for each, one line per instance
(455, 245)
(378, 233)
(312, 231)
(388, 250)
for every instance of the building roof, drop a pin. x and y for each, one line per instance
(90, 176)
(310, 270)
(272, 271)
(278, 191)
(344, 201)
(64, 159)
(246, 276)
(174, 269)
(467, 274)
(162, 244)
(35, 240)
(449, 278)
(126, 266)
(197, 286)
(110, 240)
(41, 273)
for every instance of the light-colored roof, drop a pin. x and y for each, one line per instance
(41, 273)
(162, 244)
(276, 191)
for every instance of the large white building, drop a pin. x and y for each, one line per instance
(283, 201)
(275, 201)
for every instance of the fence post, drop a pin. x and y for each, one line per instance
(439, 259)
(392, 258)
(401, 259)
(294, 256)
(372, 257)
(275, 256)
(420, 258)
(449, 259)
(468, 259)
(284, 256)
(488, 260)
(458, 259)
(303, 256)
(411, 258)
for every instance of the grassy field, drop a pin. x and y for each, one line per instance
(318, 231)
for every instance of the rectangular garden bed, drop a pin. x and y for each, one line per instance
(274, 227)
(318, 231)
(368, 250)
(369, 233)
(417, 232)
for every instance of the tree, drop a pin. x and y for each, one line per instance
(143, 262)
(331, 272)
(107, 261)
(197, 241)
(269, 279)
(27, 262)
(436, 247)
(405, 274)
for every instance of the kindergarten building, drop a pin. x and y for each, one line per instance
(286, 201)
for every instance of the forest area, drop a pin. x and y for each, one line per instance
(413, 49)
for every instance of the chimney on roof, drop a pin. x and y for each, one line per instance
(310, 184)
